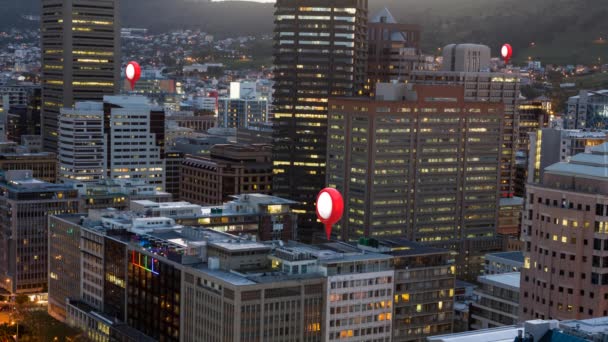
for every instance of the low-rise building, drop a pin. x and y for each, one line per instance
(229, 170)
(267, 217)
(42, 164)
(504, 262)
(497, 301)
(116, 194)
(218, 286)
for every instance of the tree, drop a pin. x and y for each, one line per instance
(7, 332)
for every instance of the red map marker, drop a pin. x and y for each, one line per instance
(506, 52)
(133, 73)
(330, 207)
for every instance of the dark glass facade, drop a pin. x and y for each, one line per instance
(115, 279)
(320, 51)
(153, 296)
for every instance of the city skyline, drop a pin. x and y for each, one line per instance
(308, 170)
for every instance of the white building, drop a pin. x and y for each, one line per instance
(134, 153)
(82, 143)
(243, 90)
(117, 144)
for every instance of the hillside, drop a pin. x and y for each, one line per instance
(563, 31)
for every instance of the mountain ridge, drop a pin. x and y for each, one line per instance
(563, 31)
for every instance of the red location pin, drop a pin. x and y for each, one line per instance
(133, 73)
(330, 207)
(506, 51)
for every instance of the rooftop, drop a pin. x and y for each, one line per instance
(592, 165)
(512, 201)
(589, 326)
(511, 280)
(513, 256)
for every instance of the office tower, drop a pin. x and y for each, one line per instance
(173, 170)
(236, 113)
(549, 146)
(587, 110)
(42, 164)
(64, 263)
(264, 216)
(82, 145)
(80, 57)
(25, 205)
(509, 216)
(23, 108)
(320, 51)
(346, 279)
(394, 50)
(423, 288)
(466, 58)
(419, 162)
(492, 87)
(498, 301)
(564, 229)
(120, 138)
(532, 117)
(229, 170)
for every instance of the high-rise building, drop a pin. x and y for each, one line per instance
(119, 138)
(320, 51)
(394, 50)
(589, 109)
(423, 292)
(230, 170)
(532, 117)
(82, 145)
(23, 108)
(24, 208)
(173, 170)
(419, 162)
(236, 113)
(64, 262)
(492, 87)
(509, 216)
(565, 230)
(80, 57)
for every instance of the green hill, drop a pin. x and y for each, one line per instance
(563, 31)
